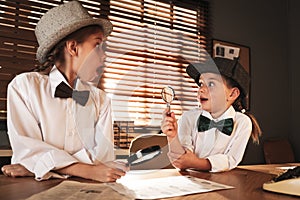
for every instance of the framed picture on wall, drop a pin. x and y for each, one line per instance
(232, 50)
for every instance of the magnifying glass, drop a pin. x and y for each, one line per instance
(168, 94)
(144, 155)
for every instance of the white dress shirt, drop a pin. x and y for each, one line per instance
(224, 152)
(49, 133)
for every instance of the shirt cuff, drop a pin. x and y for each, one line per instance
(47, 163)
(51, 175)
(218, 163)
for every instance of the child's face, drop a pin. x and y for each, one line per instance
(213, 94)
(91, 58)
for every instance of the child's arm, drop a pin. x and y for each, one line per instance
(170, 128)
(181, 158)
(103, 172)
(190, 160)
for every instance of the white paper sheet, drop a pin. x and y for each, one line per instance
(163, 183)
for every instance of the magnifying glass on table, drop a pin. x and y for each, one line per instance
(144, 155)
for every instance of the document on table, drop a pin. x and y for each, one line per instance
(163, 183)
(73, 190)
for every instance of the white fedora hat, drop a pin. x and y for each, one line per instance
(61, 21)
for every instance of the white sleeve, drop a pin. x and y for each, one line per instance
(185, 131)
(104, 149)
(235, 151)
(26, 139)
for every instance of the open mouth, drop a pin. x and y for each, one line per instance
(202, 99)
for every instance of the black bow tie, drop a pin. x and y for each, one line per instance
(225, 125)
(64, 91)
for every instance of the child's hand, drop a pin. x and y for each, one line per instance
(103, 172)
(184, 161)
(118, 165)
(190, 160)
(169, 124)
(16, 170)
(107, 172)
(174, 156)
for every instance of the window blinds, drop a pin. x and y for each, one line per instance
(150, 46)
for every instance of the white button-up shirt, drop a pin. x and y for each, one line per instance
(224, 152)
(49, 133)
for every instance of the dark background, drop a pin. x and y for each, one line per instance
(271, 28)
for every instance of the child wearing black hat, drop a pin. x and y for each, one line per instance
(214, 136)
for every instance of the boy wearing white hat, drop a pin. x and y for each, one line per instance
(214, 136)
(60, 124)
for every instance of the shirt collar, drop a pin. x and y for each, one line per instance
(56, 77)
(229, 113)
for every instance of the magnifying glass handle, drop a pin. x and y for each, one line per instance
(169, 110)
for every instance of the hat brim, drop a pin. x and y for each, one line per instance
(52, 40)
(195, 70)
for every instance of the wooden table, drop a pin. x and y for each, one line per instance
(247, 180)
